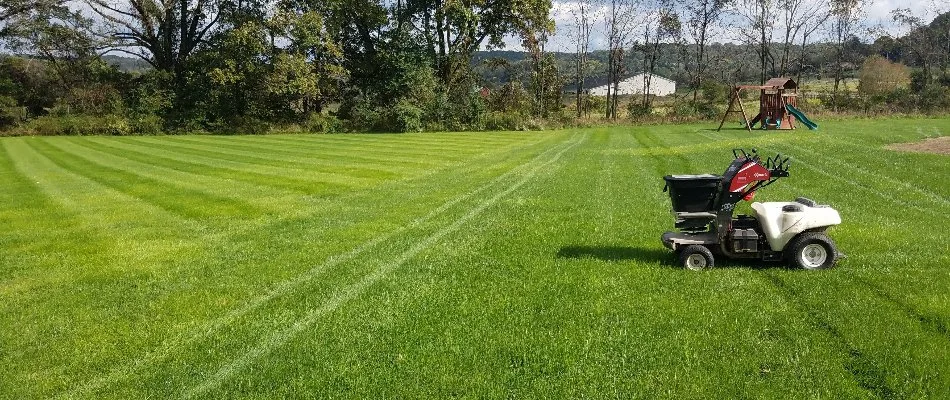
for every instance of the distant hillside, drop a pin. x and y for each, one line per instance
(127, 64)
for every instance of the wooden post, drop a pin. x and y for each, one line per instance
(735, 99)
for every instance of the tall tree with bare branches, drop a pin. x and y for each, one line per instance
(845, 19)
(620, 17)
(164, 33)
(584, 15)
(701, 17)
(756, 27)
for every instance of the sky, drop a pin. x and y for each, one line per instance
(877, 15)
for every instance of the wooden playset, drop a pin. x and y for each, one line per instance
(777, 102)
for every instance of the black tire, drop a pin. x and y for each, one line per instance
(696, 257)
(811, 250)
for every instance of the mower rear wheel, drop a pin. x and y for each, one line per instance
(696, 257)
(811, 250)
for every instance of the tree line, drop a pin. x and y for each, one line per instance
(253, 66)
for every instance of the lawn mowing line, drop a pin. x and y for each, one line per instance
(405, 148)
(101, 159)
(931, 323)
(320, 156)
(399, 155)
(160, 201)
(867, 189)
(422, 139)
(278, 338)
(64, 198)
(254, 157)
(872, 174)
(426, 146)
(282, 288)
(707, 136)
(284, 184)
(210, 185)
(322, 161)
(275, 160)
(858, 185)
(862, 369)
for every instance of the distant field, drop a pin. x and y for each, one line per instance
(482, 265)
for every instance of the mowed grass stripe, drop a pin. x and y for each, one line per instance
(447, 154)
(403, 146)
(278, 338)
(810, 171)
(359, 157)
(864, 177)
(837, 156)
(406, 145)
(270, 162)
(363, 162)
(466, 140)
(126, 371)
(847, 351)
(860, 353)
(182, 201)
(282, 184)
(260, 197)
(25, 247)
(394, 155)
(874, 359)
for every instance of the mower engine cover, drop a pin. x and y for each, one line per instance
(782, 221)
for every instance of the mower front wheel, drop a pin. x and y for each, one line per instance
(696, 257)
(812, 250)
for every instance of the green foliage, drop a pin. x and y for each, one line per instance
(715, 92)
(10, 113)
(404, 117)
(636, 109)
(320, 123)
(79, 125)
(510, 98)
(504, 121)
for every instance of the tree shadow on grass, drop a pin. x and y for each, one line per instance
(658, 255)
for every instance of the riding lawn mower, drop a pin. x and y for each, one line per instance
(703, 207)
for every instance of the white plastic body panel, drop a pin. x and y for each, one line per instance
(781, 226)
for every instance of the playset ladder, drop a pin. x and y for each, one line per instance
(730, 110)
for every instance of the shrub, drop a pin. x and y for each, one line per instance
(933, 97)
(78, 125)
(715, 92)
(880, 76)
(9, 112)
(503, 121)
(636, 109)
(404, 117)
(319, 123)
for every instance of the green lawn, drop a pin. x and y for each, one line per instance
(521, 265)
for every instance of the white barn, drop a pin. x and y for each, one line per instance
(659, 86)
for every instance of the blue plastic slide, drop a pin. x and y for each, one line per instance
(801, 117)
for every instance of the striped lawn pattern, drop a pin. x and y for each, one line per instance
(459, 265)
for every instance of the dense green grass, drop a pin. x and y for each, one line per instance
(472, 265)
